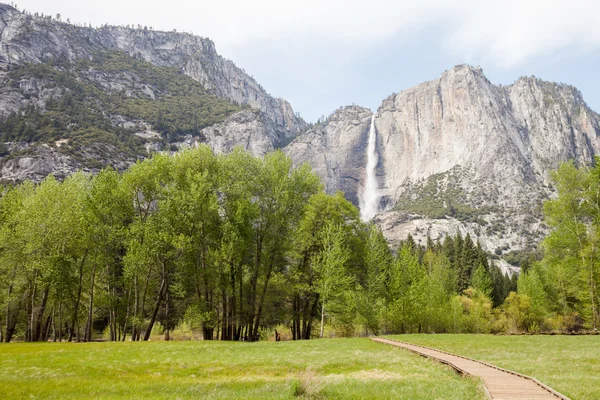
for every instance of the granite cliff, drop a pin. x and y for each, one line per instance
(459, 153)
(67, 53)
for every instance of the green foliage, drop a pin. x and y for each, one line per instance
(563, 285)
(370, 298)
(474, 312)
(311, 244)
(520, 314)
(230, 246)
(424, 283)
(155, 246)
(329, 266)
(441, 196)
(482, 280)
(523, 258)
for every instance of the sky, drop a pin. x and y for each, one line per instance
(323, 54)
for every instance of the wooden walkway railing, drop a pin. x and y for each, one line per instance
(500, 383)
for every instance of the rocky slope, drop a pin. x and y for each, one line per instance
(29, 40)
(248, 129)
(335, 149)
(459, 153)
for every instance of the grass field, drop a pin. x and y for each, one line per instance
(331, 368)
(569, 364)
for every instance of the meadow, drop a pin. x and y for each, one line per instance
(331, 368)
(568, 364)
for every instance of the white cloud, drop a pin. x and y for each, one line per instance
(505, 32)
(511, 31)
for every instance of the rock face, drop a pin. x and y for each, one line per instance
(30, 39)
(249, 129)
(37, 164)
(336, 150)
(460, 154)
(27, 40)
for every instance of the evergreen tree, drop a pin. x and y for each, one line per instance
(482, 281)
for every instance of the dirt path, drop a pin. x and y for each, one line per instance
(500, 384)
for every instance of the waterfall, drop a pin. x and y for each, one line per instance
(369, 201)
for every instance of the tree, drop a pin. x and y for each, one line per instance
(320, 210)
(378, 261)
(283, 192)
(108, 212)
(439, 286)
(572, 248)
(13, 281)
(517, 308)
(482, 280)
(193, 204)
(476, 315)
(403, 303)
(329, 265)
(532, 285)
(145, 266)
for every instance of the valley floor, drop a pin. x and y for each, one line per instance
(330, 368)
(568, 364)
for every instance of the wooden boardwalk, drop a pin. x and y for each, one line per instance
(500, 384)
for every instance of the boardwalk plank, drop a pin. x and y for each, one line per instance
(500, 384)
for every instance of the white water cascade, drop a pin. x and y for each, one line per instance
(369, 201)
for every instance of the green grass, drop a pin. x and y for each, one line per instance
(331, 368)
(568, 364)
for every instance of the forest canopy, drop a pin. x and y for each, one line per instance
(231, 246)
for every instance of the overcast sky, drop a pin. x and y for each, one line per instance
(322, 54)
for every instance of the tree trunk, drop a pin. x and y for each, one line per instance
(46, 331)
(167, 322)
(60, 324)
(262, 297)
(233, 309)
(156, 308)
(7, 318)
(294, 314)
(75, 317)
(31, 308)
(7, 336)
(135, 308)
(322, 317)
(224, 315)
(112, 307)
(89, 322)
(241, 318)
(127, 316)
(204, 295)
(39, 327)
(313, 312)
(253, 286)
(55, 333)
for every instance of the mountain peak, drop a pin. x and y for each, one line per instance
(467, 67)
(458, 142)
(463, 72)
(7, 7)
(36, 39)
(350, 110)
